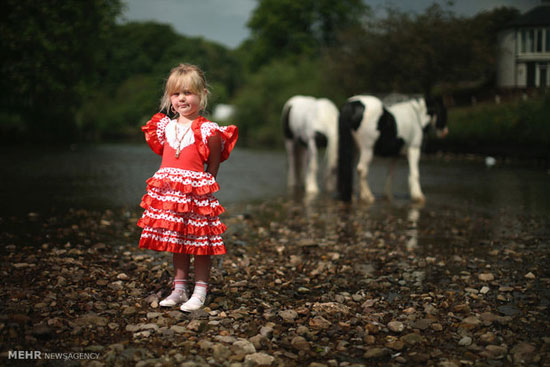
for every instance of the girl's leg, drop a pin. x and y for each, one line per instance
(181, 266)
(181, 270)
(202, 275)
(202, 268)
(181, 274)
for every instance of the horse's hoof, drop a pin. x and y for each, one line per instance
(312, 190)
(367, 199)
(418, 199)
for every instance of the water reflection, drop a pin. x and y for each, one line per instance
(413, 217)
(113, 175)
(110, 176)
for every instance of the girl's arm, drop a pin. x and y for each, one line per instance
(215, 147)
(155, 132)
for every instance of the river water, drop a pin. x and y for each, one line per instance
(100, 177)
(113, 176)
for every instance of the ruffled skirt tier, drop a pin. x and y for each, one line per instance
(181, 213)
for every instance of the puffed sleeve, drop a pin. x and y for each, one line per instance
(155, 132)
(229, 135)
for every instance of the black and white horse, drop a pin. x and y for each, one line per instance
(375, 129)
(310, 123)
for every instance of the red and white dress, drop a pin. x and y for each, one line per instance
(181, 213)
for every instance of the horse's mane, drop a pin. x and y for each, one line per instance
(394, 98)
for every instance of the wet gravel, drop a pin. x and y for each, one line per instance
(305, 283)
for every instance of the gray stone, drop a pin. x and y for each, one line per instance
(330, 308)
(288, 315)
(411, 339)
(266, 331)
(91, 319)
(178, 329)
(376, 353)
(225, 339)
(300, 343)
(259, 359)
(243, 347)
(396, 326)
(259, 341)
(319, 322)
(220, 352)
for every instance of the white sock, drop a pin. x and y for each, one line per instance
(180, 284)
(200, 289)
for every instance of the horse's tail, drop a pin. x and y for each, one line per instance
(327, 116)
(284, 119)
(351, 115)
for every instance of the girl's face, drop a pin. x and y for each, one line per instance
(186, 103)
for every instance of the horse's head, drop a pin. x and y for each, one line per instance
(438, 113)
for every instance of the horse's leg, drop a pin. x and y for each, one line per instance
(365, 159)
(331, 164)
(301, 164)
(413, 156)
(330, 178)
(291, 159)
(389, 179)
(312, 168)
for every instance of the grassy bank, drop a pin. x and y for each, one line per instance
(518, 129)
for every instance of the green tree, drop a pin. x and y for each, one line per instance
(52, 54)
(260, 101)
(415, 53)
(282, 59)
(286, 28)
(141, 56)
(484, 29)
(136, 48)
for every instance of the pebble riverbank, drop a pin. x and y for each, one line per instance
(303, 284)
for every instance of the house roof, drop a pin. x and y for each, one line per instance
(535, 17)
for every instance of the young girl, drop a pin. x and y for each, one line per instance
(181, 214)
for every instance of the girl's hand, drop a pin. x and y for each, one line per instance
(214, 158)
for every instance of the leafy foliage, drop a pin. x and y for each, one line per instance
(47, 63)
(287, 28)
(521, 123)
(142, 55)
(417, 53)
(69, 70)
(260, 101)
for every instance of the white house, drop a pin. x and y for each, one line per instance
(523, 59)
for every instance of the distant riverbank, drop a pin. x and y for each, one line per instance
(518, 129)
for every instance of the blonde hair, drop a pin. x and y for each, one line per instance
(185, 77)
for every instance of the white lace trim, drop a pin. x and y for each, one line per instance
(185, 177)
(191, 219)
(187, 140)
(167, 236)
(168, 195)
(207, 130)
(161, 129)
